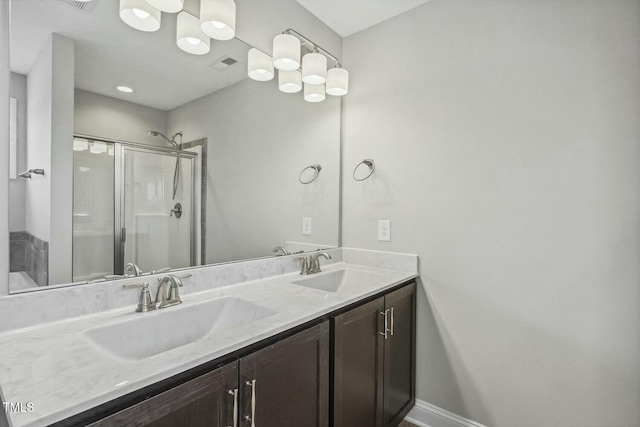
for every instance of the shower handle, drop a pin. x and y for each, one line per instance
(177, 210)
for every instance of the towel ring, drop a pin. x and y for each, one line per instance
(368, 162)
(317, 168)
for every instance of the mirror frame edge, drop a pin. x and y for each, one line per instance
(5, 77)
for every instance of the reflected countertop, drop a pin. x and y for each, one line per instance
(56, 370)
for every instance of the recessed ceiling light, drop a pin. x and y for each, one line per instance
(125, 89)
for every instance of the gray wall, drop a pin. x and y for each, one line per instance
(111, 118)
(5, 76)
(17, 187)
(259, 139)
(61, 175)
(49, 141)
(507, 145)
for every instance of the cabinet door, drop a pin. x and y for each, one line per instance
(399, 355)
(357, 374)
(202, 402)
(287, 383)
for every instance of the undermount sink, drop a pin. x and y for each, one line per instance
(333, 281)
(153, 333)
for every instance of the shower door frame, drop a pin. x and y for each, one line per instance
(119, 233)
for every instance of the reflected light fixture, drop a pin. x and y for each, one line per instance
(286, 52)
(80, 145)
(169, 6)
(337, 81)
(290, 81)
(189, 36)
(140, 15)
(218, 18)
(314, 68)
(259, 65)
(314, 93)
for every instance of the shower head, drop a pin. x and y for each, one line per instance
(171, 141)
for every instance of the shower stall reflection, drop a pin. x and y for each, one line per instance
(123, 200)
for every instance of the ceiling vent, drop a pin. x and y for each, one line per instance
(82, 6)
(224, 62)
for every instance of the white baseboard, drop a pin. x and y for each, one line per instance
(427, 415)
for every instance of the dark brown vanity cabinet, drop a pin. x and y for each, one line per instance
(206, 401)
(352, 368)
(374, 361)
(283, 385)
(287, 383)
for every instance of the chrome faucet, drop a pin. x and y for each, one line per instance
(168, 293)
(311, 264)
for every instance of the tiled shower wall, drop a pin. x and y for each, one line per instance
(31, 255)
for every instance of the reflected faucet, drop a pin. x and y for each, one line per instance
(132, 269)
(280, 249)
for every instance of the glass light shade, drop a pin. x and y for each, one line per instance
(259, 65)
(290, 81)
(286, 52)
(218, 18)
(337, 82)
(169, 6)
(139, 15)
(189, 36)
(314, 93)
(314, 68)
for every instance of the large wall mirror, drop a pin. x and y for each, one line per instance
(194, 164)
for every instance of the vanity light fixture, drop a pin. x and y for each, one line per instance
(337, 81)
(80, 145)
(314, 93)
(189, 36)
(98, 147)
(125, 89)
(218, 18)
(140, 15)
(314, 68)
(169, 6)
(290, 81)
(259, 65)
(286, 52)
(286, 58)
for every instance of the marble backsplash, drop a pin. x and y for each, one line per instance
(29, 254)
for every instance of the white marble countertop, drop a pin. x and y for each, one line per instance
(56, 369)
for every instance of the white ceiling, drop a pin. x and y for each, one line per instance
(347, 17)
(110, 53)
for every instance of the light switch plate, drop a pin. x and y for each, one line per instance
(384, 230)
(306, 226)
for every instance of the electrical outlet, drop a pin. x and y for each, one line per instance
(384, 230)
(306, 226)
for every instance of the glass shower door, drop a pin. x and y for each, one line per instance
(157, 228)
(93, 209)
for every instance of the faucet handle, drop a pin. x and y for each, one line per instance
(304, 268)
(145, 303)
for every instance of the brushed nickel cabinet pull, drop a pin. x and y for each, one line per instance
(234, 393)
(392, 321)
(386, 323)
(252, 418)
